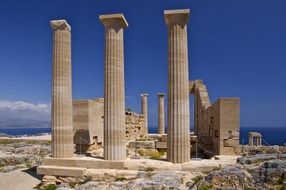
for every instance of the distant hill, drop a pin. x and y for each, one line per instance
(25, 123)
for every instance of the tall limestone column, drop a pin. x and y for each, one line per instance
(144, 110)
(178, 86)
(161, 113)
(62, 121)
(114, 95)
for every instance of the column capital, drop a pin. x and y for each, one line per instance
(161, 94)
(177, 16)
(60, 25)
(144, 95)
(114, 20)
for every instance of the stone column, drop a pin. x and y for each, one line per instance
(62, 118)
(161, 113)
(114, 95)
(250, 141)
(178, 86)
(144, 111)
(260, 141)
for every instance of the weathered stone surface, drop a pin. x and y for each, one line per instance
(62, 121)
(230, 177)
(142, 144)
(216, 125)
(270, 172)
(178, 148)
(114, 88)
(22, 155)
(161, 113)
(256, 158)
(88, 121)
(89, 185)
(135, 127)
(231, 143)
(61, 171)
(144, 110)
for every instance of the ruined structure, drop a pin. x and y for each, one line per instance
(114, 95)
(178, 93)
(255, 139)
(135, 126)
(106, 122)
(216, 125)
(62, 124)
(87, 123)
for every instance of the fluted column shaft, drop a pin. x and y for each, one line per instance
(62, 122)
(144, 110)
(178, 87)
(161, 114)
(114, 95)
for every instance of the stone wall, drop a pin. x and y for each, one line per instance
(216, 125)
(88, 122)
(135, 128)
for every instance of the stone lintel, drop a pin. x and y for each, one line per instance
(161, 94)
(177, 16)
(60, 25)
(114, 20)
(144, 95)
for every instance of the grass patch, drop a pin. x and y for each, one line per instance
(278, 187)
(50, 187)
(6, 141)
(157, 155)
(28, 165)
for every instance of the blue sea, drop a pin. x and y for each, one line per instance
(24, 131)
(271, 135)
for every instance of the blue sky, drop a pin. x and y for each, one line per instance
(238, 47)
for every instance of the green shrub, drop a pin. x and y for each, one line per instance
(155, 155)
(50, 187)
(6, 141)
(278, 187)
(28, 165)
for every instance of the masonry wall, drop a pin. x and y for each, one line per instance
(216, 125)
(229, 116)
(223, 121)
(135, 128)
(88, 122)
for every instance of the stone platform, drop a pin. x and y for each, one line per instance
(80, 166)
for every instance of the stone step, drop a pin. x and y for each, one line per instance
(61, 171)
(84, 163)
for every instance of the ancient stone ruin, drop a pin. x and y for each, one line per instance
(255, 139)
(105, 121)
(88, 124)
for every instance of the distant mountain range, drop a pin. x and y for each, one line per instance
(25, 123)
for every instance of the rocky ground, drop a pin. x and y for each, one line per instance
(260, 169)
(22, 154)
(263, 171)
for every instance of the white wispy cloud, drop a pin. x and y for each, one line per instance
(24, 110)
(20, 106)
